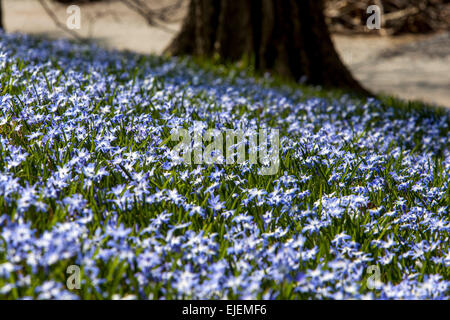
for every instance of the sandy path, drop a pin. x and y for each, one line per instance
(112, 24)
(411, 74)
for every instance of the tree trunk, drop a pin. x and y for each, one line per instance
(288, 37)
(1, 16)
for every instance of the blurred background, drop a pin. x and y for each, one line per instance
(409, 57)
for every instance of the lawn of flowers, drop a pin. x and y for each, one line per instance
(87, 178)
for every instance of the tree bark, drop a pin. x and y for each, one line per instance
(288, 37)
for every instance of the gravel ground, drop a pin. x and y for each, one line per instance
(409, 67)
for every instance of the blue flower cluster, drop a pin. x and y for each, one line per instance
(87, 178)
